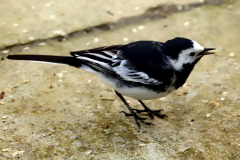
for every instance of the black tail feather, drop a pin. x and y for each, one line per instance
(72, 61)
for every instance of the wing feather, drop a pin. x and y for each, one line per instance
(106, 60)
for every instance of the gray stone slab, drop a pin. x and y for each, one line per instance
(60, 112)
(24, 21)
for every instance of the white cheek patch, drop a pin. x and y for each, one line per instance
(184, 57)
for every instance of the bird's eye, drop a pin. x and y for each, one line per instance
(192, 53)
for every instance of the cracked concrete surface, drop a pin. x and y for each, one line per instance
(60, 112)
(25, 21)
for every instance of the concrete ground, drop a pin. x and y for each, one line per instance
(60, 112)
(24, 21)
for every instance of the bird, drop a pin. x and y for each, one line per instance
(142, 70)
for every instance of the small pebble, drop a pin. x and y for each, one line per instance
(190, 141)
(129, 102)
(141, 27)
(6, 51)
(98, 106)
(59, 74)
(125, 39)
(222, 99)
(26, 81)
(50, 86)
(208, 115)
(2, 95)
(4, 117)
(134, 30)
(1, 103)
(214, 103)
(31, 38)
(142, 144)
(52, 16)
(88, 152)
(186, 23)
(26, 48)
(6, 150)
(42, 44)
(225, 93)
(87, 44)
(136, 8)
(15, 25)
(59, 32)
(110, 13)
(232, 54)
(162, 99)
(48, 4)
(180, 8)
(25, 31)
(96, 40)
(17, 153)
(5, 128)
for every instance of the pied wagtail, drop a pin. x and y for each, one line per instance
(142, 69)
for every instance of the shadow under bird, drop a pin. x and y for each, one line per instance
(142, 70)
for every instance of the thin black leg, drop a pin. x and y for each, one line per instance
(150, 112)
(132, 113)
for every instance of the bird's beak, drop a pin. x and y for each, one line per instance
(208, 51)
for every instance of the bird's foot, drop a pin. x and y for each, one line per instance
(152, 112)
(136, 117)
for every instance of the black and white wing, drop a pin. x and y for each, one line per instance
(132, 75)
(99, 59)
(111, 61)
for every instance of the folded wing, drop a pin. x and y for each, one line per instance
(108, 61)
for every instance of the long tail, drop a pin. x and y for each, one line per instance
(72, 61)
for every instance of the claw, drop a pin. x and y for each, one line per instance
(158, 111)
(161, 115)
(136, 117)
(126, 114)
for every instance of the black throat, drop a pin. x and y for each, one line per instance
(181, 76)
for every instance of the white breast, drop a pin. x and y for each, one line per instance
(139, 93)
(143, 93)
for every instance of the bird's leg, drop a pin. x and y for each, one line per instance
(150, 112)
(132, 113)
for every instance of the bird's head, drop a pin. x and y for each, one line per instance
(182, 52)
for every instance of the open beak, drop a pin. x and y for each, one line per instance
(207, 51)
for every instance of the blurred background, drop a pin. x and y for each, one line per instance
(59, 112)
